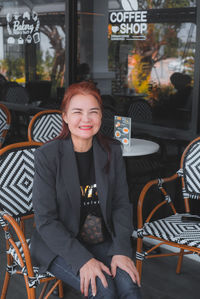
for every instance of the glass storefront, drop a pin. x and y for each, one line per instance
(141, 54)
(32, 48)
(141, 51)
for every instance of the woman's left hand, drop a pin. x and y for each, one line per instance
(126, 264)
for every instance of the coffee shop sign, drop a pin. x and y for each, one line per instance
(129, 23)
(23, 28)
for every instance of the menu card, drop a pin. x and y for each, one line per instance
(122, 129)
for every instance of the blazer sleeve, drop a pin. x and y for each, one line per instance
(49, 226)
(121, 209)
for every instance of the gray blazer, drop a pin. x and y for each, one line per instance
(56, 203)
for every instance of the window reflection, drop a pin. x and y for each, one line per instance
(133, 61)
(161, 69)
(33, 46)
(158, 68)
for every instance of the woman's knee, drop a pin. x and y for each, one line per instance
(126, 288)
(102, 292)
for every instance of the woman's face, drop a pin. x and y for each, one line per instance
(83, 117)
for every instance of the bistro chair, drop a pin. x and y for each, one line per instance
(5, 120)
(140, 110)
(107, 125)
(16, 181)
(16, 93)
(45, 126)
(178, 230)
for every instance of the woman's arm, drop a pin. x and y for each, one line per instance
(121, 208)
(48, 224)
(122, 222)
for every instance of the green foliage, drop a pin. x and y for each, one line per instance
(149, 4)
(15, 67)
(44, 65)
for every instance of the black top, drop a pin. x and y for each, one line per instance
(88, 187)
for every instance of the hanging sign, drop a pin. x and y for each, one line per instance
(23, 28)
(129, 23)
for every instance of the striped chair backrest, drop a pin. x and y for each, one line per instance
(5, 120)
(16, 180)
(45, 126)
(140, 110)
(190, 167)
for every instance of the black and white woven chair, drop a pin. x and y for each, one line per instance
(107, 126)
(179, 230)
(5, 120)
(140, 110)
(45, 126)
(16, 181)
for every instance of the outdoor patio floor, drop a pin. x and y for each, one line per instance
(159, 280)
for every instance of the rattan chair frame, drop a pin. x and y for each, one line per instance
(13, 226)
(8, 122)
(36, 117)
(153, 252)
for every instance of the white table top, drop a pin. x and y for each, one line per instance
(140, 147)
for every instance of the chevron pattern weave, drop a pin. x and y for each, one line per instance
(46, 127)
(191, 173)
(140, 110)
(3, 122)
(33, 281)
(174, 229)
(16, 181)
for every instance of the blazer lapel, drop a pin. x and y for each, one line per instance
(100, 160)
(70, 175)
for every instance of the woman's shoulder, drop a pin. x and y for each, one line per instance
(50, 148)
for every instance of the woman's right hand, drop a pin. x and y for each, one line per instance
(88, 273)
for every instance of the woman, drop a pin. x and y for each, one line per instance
(81, 205)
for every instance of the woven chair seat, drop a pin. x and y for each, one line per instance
(33, 281)
(173, 229)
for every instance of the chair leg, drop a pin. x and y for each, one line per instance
(60, 288)
(31, 293)
(5, 285)
(179, 264)
(43, 290)
(139, 261)
(59, 284)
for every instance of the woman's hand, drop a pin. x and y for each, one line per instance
(88, 273)
(126, 264)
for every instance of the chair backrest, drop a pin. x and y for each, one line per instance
(5, 120)
(16, 179)
(190, 171)
(39, 90)
(140, 110)
(45, 126)
(107, 126)
(16, 94)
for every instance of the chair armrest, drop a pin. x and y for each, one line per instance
(159, 183)
(8, 219)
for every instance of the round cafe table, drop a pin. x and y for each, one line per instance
(141, 165)
(140, 147)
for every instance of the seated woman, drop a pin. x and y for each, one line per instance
(80, 198)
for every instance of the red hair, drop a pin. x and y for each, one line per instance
(83, 88)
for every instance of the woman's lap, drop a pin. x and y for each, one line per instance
(122, 283)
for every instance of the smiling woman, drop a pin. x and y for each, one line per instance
(80, 198)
